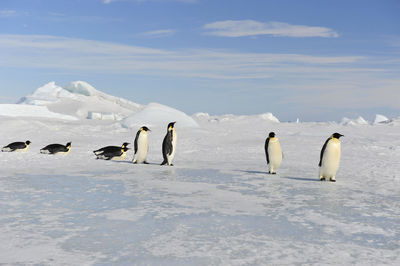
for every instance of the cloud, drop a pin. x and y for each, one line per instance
(241, 28)
(159, 33)
(7, 13)
(318, 81)
(69, 53)
(141, 1)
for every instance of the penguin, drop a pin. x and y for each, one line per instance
(111, 154)
(110, 149)
(169, 145)
(330, 158)
(141, 146)
(56, 149)
(273, 153)
(17, 146)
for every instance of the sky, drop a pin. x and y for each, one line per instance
(313, 60)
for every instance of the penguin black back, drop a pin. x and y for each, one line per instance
(19, 145)
(56, 148)
(270, 135)
(111, 148)
(167, 145)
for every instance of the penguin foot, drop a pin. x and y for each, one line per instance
(145, 162)
(322, 178)
(332, 180)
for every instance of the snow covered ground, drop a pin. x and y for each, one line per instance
(216, 206)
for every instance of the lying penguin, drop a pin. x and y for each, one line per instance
(56, 149)
(17, 146)
(113, 154)
(110, 149)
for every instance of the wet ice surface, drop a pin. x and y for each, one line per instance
(217, 205)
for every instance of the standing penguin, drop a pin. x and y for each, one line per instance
(141, 146)
(330, 158)
(17, 146)
(169, 145)
(273, 153)
(56, 149)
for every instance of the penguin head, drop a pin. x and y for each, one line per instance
(68, 145)
(27, 142)
(125, 144)
(145, 128)
(337, 135)
(171, 125)
(271, 134)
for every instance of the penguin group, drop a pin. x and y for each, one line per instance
(141, 146)
(328, 163)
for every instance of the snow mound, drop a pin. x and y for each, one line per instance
(82, 100)
(81, 87)
(358, 121)
(155, 114)
(18, 110)
(49, 93)
(269, 117)
(381, 119)
(205, 117)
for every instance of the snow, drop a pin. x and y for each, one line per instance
(16, 110)
(216, 206)
(205, 117)
(381, 119)
(82, 87)
(81, 100)
(155, 114)
(358, 121)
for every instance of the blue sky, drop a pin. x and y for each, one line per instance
(313, 60)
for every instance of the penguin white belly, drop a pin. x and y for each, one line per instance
(275, 155)
(171, 157)
(119, 158)
(23, 150)
(330, 160)
(143, 148)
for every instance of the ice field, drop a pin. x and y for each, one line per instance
(216, 206)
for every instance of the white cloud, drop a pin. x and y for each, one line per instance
(42, 51)
(240, 28)
(316, 80)
(159, 33)
(7, 13)
(141, 1)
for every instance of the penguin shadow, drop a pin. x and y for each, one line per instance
(252, 172)
(302, 179)
(128, 162)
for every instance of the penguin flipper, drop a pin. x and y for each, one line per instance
(322, 152)
(136, 141)
(266, 149)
